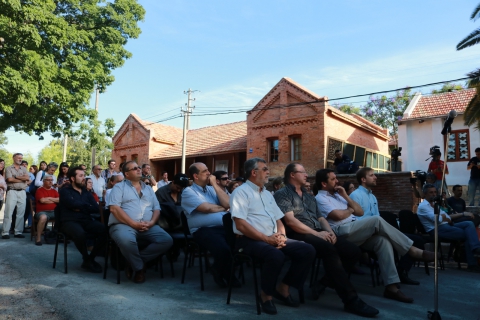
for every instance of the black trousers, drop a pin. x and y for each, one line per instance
(406, 262)
(338, 260)
(301, 255)
(213, 239)
(82, 230)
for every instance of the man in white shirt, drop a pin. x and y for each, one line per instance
(98, 182)
(463, 231)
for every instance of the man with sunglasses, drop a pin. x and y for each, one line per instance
(134, 214)
(205, 203)
(222, 179)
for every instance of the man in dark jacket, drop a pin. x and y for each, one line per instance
(76, 207)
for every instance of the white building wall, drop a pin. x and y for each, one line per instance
(416, 139)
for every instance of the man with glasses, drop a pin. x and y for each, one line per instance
(205, 203)
(338, 255)
(47, 199)
(99, 186)
(17, 179)
(261, 234)
(134, 215)
(222, 180)
(147, 174)
(76, 206)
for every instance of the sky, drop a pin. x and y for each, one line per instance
(233, 53)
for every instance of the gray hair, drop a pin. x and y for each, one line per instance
(52, 165)
(251, 164)
(428, 186)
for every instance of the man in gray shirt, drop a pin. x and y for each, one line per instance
(17, 178)
(134, 215)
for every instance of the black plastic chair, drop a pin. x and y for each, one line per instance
(192, 248)
(239, 258)
(60, 237)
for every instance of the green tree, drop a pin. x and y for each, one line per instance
(349, 109)
(472, 112)
(387, 111)
(52, 152)
(55, 52)
(448, 87)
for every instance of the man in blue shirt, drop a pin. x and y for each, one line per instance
(205, 203)
(364, 197)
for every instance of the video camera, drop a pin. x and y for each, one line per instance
(420, 175)
(434, 151)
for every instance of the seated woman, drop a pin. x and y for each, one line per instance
(89, 185)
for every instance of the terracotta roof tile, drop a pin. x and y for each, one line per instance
(438, 105)
(223, 138)
(162, 132)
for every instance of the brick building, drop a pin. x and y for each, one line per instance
(220, 147)
(291, 123)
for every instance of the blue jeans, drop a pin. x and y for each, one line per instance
(473, 186)
(463, 231)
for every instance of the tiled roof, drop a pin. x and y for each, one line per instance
(162, 132)
(223, 138)
(439, 105)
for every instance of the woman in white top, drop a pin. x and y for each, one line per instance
(3, 184)
(51, 168)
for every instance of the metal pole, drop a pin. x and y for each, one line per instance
(96, 109)
(188, 110)
(184, 142)
(65, 139)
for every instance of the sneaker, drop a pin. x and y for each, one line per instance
(6, 236)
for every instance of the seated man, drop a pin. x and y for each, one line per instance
(459, 206)
(205, 203)
(222, 179)
(76, 205)
(373, 233)
(134, 214)
(172, 192)
(364, 197)
(463, 231)
(112, 181)
(46, 200)
(261, 234)
(308, 225)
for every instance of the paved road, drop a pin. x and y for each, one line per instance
(31, 289)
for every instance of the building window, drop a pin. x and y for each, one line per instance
(296, 149)
(135, 158)
(273, 150)
(458, 145)
(123, 159)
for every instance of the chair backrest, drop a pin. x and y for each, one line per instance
(390, 217)
(228, 227)
(57, 214)
(419, 225)
(185, 228)
(407, 221)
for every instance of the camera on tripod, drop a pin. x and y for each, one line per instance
(419, 175)
(435, 151)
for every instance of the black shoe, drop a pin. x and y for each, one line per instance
(475, 269)
(268, 307)
(91, 266)
(6, 236)
(360, 308)
(317, 289)
(288, 301)
(38, 243)
(406, 280)
(19, 236)
(476, 253)
(218, 278)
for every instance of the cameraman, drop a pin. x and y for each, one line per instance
(474, 182)
(436, 167)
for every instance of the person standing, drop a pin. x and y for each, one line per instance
(3, 184)
(17, 178)
(164, 180)
(474, 182)
(99, 186)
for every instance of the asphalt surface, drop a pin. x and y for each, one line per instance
(31, 289)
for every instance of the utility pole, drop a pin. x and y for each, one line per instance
(186, 125)
(65, 139)
(96, 108)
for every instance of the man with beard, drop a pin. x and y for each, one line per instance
(76, 205)
(363, 195)
(372, 233)
(307, 224)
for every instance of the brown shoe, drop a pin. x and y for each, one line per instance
(399, 296)
(139, 276)
(128, 271)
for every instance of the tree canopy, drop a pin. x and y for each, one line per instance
(54, 53)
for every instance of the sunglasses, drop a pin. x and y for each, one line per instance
(224, 179)
(134, 168)
(147, 183)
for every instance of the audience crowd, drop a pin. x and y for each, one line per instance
(296, 218)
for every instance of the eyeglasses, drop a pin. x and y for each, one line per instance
(224, 179)
(147, 183)
(263, 169)
(134, 168)
(302, 172)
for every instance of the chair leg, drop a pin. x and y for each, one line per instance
(201, 269)
(232, 271)
(107, 246)
(301, 295)
(372, 275)
(312, 272)
(171, 266)
(160, 261)
(255, 285)
(427, 271)
(55, 254)
(187, 251)
(118, 264)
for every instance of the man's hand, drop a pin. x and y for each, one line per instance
(327, 236)
(212, 180)
(341, 191)
(277, 240)
(468, 214)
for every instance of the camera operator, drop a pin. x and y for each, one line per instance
(436, 167)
